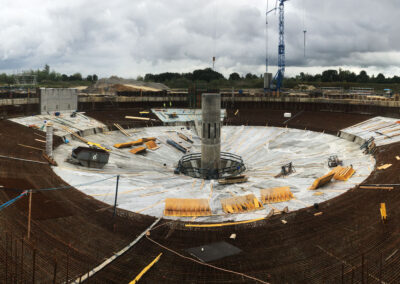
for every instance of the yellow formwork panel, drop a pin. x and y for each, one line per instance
(343, 173)
(276, 195)
(182, 207)
(138, 150)
(134, 143)
(321, 181)
(240, 204)
(151, 145)
(129, 144)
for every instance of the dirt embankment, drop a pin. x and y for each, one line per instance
(330, 122)
(63, 221)
(109, 117)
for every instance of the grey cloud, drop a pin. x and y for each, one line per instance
(130, 38)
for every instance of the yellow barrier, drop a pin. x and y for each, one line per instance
(275, 195)
(137, 278)
(383, 211)
(239, 204)
(223, 224)
(187, 207)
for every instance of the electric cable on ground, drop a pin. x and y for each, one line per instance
(207, 264)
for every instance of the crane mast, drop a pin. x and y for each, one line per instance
(278, 78)
(281, 47)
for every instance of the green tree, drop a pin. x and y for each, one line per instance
(250, 76)
(234, 76)
(206, 75)
(330, 76)
(46, 69)
(380, 78)
(362, 77)
(75, 77)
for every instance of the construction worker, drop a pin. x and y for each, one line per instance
(165, 105)
(170, 104)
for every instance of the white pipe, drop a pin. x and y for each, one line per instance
(114, 257)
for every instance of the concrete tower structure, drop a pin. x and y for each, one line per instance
(211, 134)
(49, 139)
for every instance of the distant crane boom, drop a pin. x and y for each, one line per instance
(266, 44)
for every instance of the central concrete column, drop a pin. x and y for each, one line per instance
(49, 139)
(211, 134)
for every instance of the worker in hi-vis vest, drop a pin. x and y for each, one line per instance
(164, 105)
(170, 104)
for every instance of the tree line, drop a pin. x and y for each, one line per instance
(341, 75)
(206, 75)
(46, 75)
(330, 75)
(212, 78)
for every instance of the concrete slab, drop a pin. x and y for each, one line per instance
(385, 131)
(80, 122)
(146, 180)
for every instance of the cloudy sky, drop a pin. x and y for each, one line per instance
(134, 37)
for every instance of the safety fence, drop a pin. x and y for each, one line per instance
(43, 258)
(22, 262)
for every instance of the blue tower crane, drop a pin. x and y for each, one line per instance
(281, 47)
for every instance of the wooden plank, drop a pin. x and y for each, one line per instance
(120, 128)
(27, 146)
(382, 127)
(384, 167)
(39, 135)
(377, 187)
(391, 130)
(374, 125)
(395, 135)
(153, 193)
(138, 118)
(211, 191)
(67, 129)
